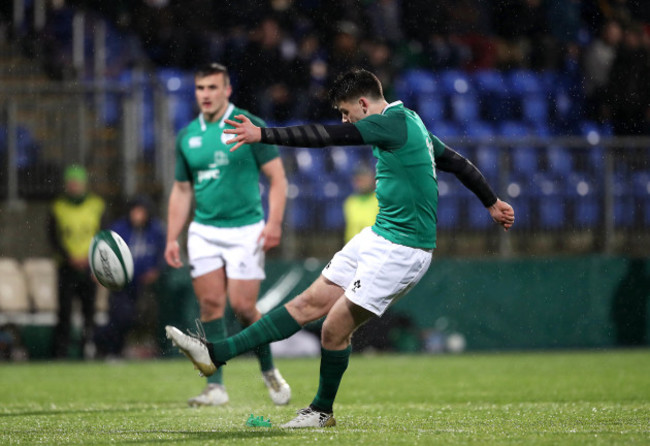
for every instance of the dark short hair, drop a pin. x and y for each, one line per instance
(210, 69)
(355, 84)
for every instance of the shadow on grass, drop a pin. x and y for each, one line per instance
(176, 436)
(57, 412)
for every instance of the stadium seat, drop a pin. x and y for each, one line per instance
(330, 191)
(310, 161)
(454, 82)
(624, 201)
(523, 82)
(487, 160)
(431, 108)
(448, 204)
(548, 194)
(444, 129)
(560, 160)
(13, 288)
(641, 187)
(492, 95)
(414, 83)
(464, 107)
(534, 108)
(300, 208)
(41, 276)
(582, 193)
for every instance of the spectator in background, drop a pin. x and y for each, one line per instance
(597, 64)
(628, 91)
(264, 72)
(145, 236)
(75, 217)
(360, 209)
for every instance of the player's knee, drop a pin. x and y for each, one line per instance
(245, 311)
(334, 339)
(307, 307)
(211, 307)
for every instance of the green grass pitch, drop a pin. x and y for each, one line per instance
(552, 398)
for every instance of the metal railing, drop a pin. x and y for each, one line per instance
(564, 189)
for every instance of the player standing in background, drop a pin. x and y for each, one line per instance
(380, 264)
(75, 217)
(228, 237)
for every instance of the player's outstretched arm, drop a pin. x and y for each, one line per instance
(472, 178)
(307, 135)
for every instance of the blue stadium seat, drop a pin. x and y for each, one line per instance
(414, 83)
(583, 194)
(431, 108)
(345, 160)
(641, 187)
(534, 108)
(175, 80)
(492, 95)
(464, 107)
(559, 160)
(524, 82)
(455, 82)
(479, 130)
(549, 194)
(486, 159)
(624, 201)
(448, 203)
(330, 191)
(300, 209)
(310, 161)
(444, 129)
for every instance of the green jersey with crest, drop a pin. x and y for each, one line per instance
(407, 184)
(226, 184)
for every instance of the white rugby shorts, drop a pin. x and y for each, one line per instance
(238, 249)
(375, 272)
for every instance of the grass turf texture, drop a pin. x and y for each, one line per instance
(515, 398)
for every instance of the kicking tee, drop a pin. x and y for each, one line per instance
(226, 184)
(407, 184)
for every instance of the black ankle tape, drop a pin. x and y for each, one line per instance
(212, 358)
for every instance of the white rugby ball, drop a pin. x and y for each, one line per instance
(110, 260)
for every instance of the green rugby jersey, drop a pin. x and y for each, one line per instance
(226, 184)
(407, 184)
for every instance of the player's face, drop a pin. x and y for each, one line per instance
(212, 95)
(352, 111)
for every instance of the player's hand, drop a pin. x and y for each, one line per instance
(270, 236)
(173, 254)
(245, 132)
(502, 213)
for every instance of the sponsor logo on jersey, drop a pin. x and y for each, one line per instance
(356, 286)
(207, 175)
(195, 142)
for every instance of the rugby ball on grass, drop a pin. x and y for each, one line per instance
(110, 260)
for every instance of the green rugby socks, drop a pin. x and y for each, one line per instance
(276, 325)
(333, 364)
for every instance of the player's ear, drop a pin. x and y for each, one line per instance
(365, 104)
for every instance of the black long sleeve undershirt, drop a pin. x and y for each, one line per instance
(313, 135)
(319, 135)
(468, 174)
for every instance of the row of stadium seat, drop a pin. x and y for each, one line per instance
(543, 201)
(28, 290)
